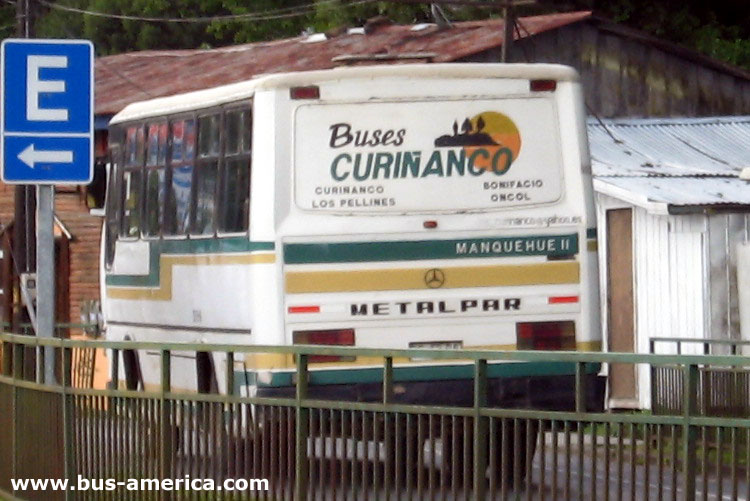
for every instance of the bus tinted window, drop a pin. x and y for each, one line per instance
(205, 197)
(131, 204)
(112, 202)
(130, 186)
(234, 209)
(179, 187)
(156, 176)
(157, 144)
(238, 132)
(208, 129)
(156, 190)
(235, 197)
(206, 175)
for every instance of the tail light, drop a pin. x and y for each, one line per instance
(546, 335)
(309, 92)
(542, 85)
(333, 337)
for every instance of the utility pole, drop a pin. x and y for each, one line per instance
(509, 26)
(508, 14)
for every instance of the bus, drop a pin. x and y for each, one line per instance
(407, 206)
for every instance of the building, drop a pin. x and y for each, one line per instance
(673, 204)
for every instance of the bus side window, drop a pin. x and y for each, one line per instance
(180, 178)
(206, 175)
(234, 201)
(112, 208)
(156, 178)
(132, 179)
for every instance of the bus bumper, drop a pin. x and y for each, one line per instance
(553, 393)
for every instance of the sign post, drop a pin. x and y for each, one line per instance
(46, 139)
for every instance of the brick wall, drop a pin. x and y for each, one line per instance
(85, 230)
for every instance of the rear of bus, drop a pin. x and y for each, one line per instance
(433, 206)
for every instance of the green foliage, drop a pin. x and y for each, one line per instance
(720, 29)
(7, 20)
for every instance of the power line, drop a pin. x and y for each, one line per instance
(283, 13)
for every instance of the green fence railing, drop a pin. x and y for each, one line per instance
(722, 390)
(301, 446)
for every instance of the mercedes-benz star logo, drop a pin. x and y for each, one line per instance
(434, 278)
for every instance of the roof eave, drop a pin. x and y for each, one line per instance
(651, 206)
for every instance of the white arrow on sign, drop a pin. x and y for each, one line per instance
(30, 156)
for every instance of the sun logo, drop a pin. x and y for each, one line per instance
(490, 139)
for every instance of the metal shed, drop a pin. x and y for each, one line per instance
(673, 204)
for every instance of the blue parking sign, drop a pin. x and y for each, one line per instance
(47, 119)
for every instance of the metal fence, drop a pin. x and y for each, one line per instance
(309, 448)
(722, 390)
(83, 357)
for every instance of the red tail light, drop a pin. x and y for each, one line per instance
(546, 335)
(304, 309)
(310, 92)
(334, 337)
(562, 299)
(542, 85)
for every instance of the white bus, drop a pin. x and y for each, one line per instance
(441, 206)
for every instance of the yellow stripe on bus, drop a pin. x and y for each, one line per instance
(298, 282)
(167, 263)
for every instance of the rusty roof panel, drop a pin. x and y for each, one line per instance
(125, 78)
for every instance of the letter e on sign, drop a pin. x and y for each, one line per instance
(47, 116)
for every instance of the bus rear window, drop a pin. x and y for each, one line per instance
(427, 156)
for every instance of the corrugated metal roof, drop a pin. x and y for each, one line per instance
(136, 76)
(674, 162)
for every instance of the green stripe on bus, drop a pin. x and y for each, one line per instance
(157, 248)
(591, 233)
(355, 252)
(422, 373)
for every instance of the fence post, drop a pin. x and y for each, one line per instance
(652, 378)
(114, 375)
(230, 373)
(689, 433)
(67, 416)
(580, 387)
(301, 431)
(18, 353)
(480, 429)
(389, 423)
(165, 455)
(7, 358)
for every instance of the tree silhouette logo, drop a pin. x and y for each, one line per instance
(489, 130)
